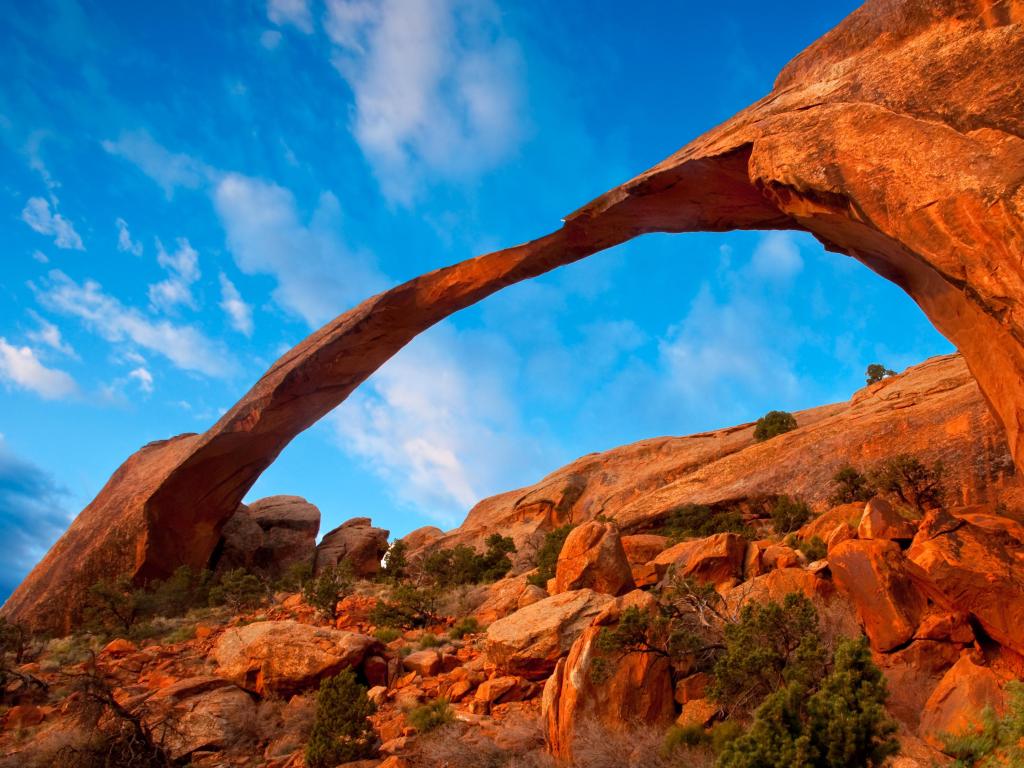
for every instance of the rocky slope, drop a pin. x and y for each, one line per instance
(897, 139)
(933, 411)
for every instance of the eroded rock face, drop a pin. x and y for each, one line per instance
(357, 541)
(898, 138)
(592, 557)
(269, 536)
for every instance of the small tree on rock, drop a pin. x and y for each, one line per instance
(849, 486)
(342, 732)
(328, 587)
(772, 424)
(915, 484)
(876, 372)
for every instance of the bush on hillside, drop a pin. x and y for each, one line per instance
(182, 591)
(813, 548)
(849, 485)
(788, 514)
(772, 424)
(913, 483)
(699, 520)
(431, 715)
(342, 731)
(112, 606)
(463, 565)
(547, 555)
(328, 587)
(999, 739)
(239, 590)
(396, 562)
(876, 372)
(407, 607)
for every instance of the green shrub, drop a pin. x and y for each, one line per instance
(770, 646)
(387, 634)
(698, 521)
(723, 734)
(876, 372)
(772, 424)
(182, 591)
(547, 555)
(813, 548)
(407, 607)
(328, 587)
(911, 481)
(681, 737)
(1000, 739)
(788, 514)
(396, 563)
(465, 626)
(849, 486)
(112, 606)
(342, 731)
(835, 723)
(429, 640)
(431, 716)
(463, 565)
(294, 577)
(239, 590)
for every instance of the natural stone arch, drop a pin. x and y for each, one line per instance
(898, 139)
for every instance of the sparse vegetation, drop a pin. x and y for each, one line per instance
(430, 716)
(698, 520)
(850, 486)
(999, 739)
(788, 514)
(342, 731)
(396, 562)
(772, 424)
(295, 576)
(407, 607)
(324, 590)
(913, 483)
(112, 606)
(463, 565)
(464, 626)
(813, 548)
(239, 590)
(876, 372)
(180, 592)
(547, 555)
(387, 634)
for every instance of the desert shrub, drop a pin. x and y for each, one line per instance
(179, 593)
(328, 587)
(386, 634)
(698, 520)
(999, 741)
(396, 562)
(431, 715)
(464, 626)
(770, 645)
(429, 640)
(13, 642)
(596, 746)
(876, 372)
(547, 555)
(915, 484)
(407, 607)
(518, 743)
(294, 577)
(789, 513)
(463, 565)
(813, 548)
(112, 606)
(723, 734)
(239, 590)
(837, 722)
(684, 737)
(341, 731)
(772, 424)
(849, 485)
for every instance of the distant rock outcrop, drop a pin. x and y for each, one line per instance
(357, 541)
(897, 138)
(269, 536)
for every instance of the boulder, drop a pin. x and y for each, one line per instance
(824, 524)
(286, 657)
(269, 536)
(881, 521)
(889, 592)
(631, 690)
(717, 560)
(781, 556)
(593, 558)
(421, 537)
(955, 704)
(912, 672)
(505, 597)
(530, 641)
(975, 560)
(357, 541)
(642, 548)
(426, 662)
(201, 713)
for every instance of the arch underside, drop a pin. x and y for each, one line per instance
(904, 151)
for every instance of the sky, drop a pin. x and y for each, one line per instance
(190, 189)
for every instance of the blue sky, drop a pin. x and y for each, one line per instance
(189, 191)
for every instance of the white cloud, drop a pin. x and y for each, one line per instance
(21, 367)
(37, 214)
(436, 84)
(183, 266)
(144, 378)
(41, 257)
(318, 275)
(124, 239)
(777, 256)
(183, 345)
(168, 169)
(439, 423)
(49, 334)
(234, 307)
(294, 12)
(270, 39)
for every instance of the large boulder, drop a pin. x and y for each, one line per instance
(505, 597)
(959, 698)
(716, 560)
(631, 690)
(881, 521)
(529, 642)
(269, 536)
(286, 657)
(201, 713)
(592, 557)
(891, 594)
(917, 176)
(975, 560)
(641, 548)
(357, 541)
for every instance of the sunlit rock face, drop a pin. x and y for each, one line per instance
(896, 138)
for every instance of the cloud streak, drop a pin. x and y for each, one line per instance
(39, 216)
(21, 367)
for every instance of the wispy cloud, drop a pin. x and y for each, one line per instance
(293, 12)
(32, 516)
(46, 221)
(238, 312)
(436, 85)
(318, 275)
(144, 379)
(125, 243)
(184, 345)
(183, 268)
(168, 169)
(777, 257)
(49, 334)
(21, 367)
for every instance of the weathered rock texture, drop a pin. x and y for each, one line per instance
(357, 541)
(898, 138)
(269, 535)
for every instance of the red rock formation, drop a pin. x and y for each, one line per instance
(593, 557)
(357, 541)
(898, 138)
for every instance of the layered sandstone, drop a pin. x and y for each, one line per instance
(898, 138)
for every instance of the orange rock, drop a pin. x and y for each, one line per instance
(357, 541)
(912, 672)
(698, 712)
(491, 691)
(505, 597)
(826, 523)
(692, 687)
(426, 662)
(204, 631)
(641, 549)
(23, 716)
(781, 556)
(119, 647)
(716, 560)
(881, 521)
(955, 704)
(592, 557)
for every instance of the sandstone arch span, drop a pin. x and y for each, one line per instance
(898, 139)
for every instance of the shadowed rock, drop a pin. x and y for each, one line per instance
(896, 138)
